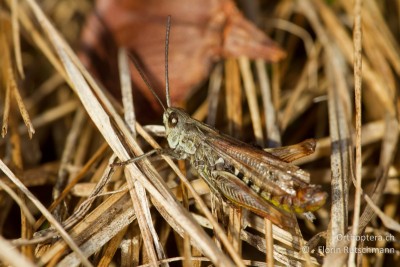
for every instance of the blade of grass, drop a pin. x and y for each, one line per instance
(16, 40)
(357, 41)
(213, 93)
(244, 65)
(126, 90)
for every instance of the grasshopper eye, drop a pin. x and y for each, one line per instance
(173, 119)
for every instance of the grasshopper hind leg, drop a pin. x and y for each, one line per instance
(238, 193)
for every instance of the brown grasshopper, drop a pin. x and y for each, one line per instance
(260, 181)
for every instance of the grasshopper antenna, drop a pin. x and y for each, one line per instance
(166, 62)
(146, 81)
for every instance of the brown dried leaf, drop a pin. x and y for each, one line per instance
(202, 33)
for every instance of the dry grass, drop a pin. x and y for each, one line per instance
(336, 85)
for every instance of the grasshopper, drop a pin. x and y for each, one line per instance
(263, 182)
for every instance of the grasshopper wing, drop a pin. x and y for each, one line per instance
(293, 152)
(266, 171)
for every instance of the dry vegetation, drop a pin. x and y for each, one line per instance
(61, 131)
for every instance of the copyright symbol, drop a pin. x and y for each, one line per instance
(305, 249)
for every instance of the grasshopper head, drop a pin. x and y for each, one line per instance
(174, 120)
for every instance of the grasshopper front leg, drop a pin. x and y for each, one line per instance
(157, 151)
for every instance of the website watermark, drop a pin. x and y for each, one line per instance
(359, 238)
(365, 238)
(346, 249)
